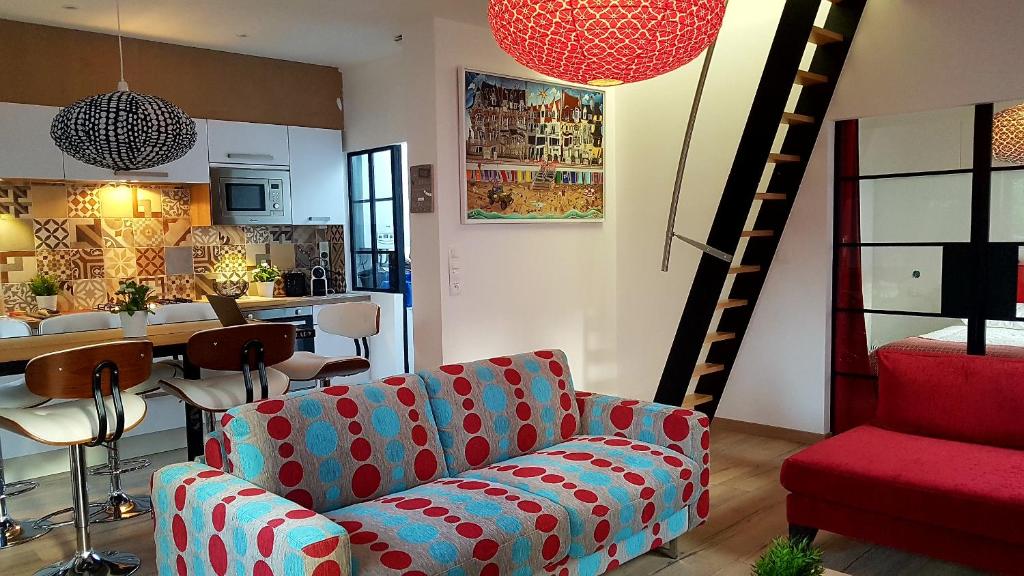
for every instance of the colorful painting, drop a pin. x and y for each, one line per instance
(533, 150)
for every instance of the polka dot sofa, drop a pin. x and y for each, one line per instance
(490, 467)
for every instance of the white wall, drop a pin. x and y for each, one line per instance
(908, 56)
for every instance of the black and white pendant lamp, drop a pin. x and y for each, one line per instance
(123, 130)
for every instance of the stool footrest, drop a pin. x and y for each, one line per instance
(126, 466)
(18, 488)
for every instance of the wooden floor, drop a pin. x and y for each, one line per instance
(747, 511)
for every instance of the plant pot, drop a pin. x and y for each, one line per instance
(134, 325)
(265, 289)
(46, 302)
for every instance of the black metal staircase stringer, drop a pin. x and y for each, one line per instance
(758, 137)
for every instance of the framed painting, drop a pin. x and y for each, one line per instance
(532, 151)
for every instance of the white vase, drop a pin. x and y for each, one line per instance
(134, 325)
(46, 302)
(265, 289)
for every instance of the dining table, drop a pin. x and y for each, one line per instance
(168, 340)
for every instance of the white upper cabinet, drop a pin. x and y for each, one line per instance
(26, 150)
(318, 176)
(193, 167)
(248, 143)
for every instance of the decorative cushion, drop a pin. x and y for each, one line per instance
(964, 487)
(339, 445)
(958, 397)
(611, 487)
(492, 410)
(454, 527)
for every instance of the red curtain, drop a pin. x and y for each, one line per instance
(854, 389)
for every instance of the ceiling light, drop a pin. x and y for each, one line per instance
(242, 35)
(123, 130)
(605, 42)
(1008, 135)
(69, 7)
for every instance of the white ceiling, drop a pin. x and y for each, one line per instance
(329, 32)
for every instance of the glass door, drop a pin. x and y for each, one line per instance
(375, 196)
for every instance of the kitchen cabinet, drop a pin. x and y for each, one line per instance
(26, 149)
(318, 176)
(193, 167)
(248, 143)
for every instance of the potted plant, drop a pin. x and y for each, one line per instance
(264, 276)
(133, 305)
(45, 289)
(787, 557)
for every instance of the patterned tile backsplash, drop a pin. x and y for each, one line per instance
(91, 237)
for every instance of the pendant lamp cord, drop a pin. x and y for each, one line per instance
(121, 85)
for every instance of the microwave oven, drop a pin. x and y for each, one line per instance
(243, 196)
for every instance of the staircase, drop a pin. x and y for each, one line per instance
(749, 222)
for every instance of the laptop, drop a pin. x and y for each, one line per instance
(227, 310)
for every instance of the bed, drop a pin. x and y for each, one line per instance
(1001, 341)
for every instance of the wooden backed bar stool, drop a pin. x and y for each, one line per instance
(95, 381)
(119, 505)
(356, 320)
(238, 350)
(14, 394)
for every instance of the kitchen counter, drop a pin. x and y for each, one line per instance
(250, 303)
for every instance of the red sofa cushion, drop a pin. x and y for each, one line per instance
(974, 399)
(969, 487)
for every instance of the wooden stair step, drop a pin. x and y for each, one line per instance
(732, 303)
(744, 269)
(805, 78)
(769, 196)
(794, 119)
(783, 158)
(822, 36)
(719, 337)
(705, 369)
(691, 401)
(757, 234)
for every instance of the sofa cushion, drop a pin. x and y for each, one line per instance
(339, 445)
(612, 487)
(455, 526)
(968, 487)
(969, 398)
(491, 410)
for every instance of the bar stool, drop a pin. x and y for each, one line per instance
(119, 505)
(355, 320)
(14, 394)
(235, 352)
(94, 380)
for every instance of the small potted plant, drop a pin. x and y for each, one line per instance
(45, 289)
(789, 557)
(264, 277)
(133, 302)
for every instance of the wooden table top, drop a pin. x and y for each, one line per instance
(28, 347)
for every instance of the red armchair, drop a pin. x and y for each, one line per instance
(938, 471)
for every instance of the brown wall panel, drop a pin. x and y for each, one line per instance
(57, 66)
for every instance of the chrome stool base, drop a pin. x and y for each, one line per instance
(13, 533)
(120, 506)
(93, 563)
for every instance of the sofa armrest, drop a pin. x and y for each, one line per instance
(683, 431)
(207, 522)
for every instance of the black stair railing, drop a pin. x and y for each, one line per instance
(768, 110)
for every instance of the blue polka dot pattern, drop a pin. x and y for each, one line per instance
(502, 407)
(321, 439)
(455, 526)
(385, 422)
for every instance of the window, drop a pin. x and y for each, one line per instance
(375, 196)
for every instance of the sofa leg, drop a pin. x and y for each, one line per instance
(805, 533)
(673, 548)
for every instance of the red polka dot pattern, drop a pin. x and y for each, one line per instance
(494, 409)
(566, 471)
(470, 523)
(183, 493)
(324, 449)
(679, 430)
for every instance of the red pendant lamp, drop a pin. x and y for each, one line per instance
(605, 42)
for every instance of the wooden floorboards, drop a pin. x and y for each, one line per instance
(747, 511)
